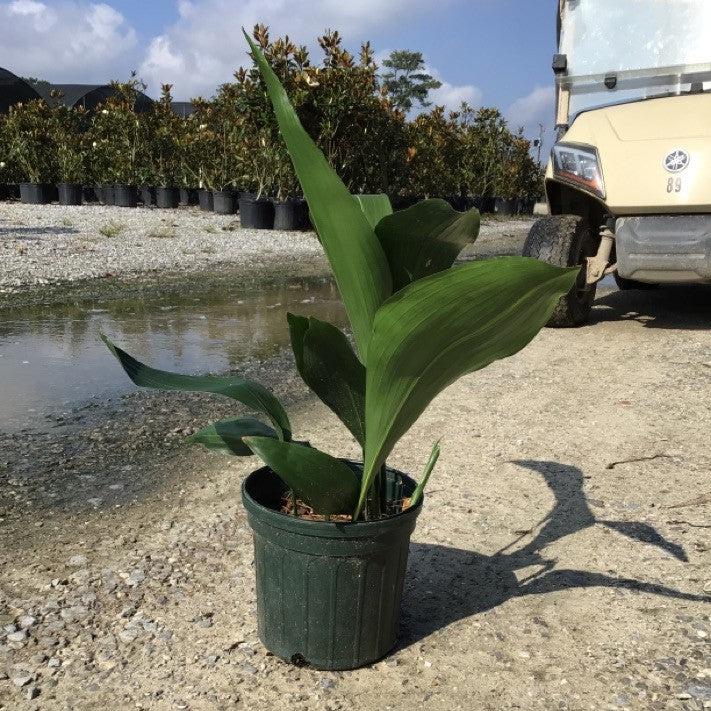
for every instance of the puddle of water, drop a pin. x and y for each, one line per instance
(51, 359)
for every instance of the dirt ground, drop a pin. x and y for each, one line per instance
(562, 560)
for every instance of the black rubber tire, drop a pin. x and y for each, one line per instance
(624, 284)
(566, 241)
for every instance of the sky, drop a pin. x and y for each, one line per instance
(487, 52)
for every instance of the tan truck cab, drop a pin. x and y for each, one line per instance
(629, 180)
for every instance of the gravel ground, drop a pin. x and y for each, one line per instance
(562, 560)
(50, 253)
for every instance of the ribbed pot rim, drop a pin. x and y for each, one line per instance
(325, 529)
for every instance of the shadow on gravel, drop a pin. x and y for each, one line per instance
(449, 584)
(36, 232)
(670, 307)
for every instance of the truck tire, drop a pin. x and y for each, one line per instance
(565, 241)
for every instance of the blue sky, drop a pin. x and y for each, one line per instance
(495, 52)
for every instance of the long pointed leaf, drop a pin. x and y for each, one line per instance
(325, 483)
(226, 435)
(375, 207)
(328, 365)
(249, 393)
(420, 488)
(425, 238)
(356, 257)
(441, 327)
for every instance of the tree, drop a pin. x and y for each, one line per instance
(407, 81)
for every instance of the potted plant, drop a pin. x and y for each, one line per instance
(66, 134)
(25, 129)
(164, 140)
(118, 144)
(331, 536)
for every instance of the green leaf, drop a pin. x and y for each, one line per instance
(375, 207)
(328, 365)
(226, 435)
(425, 238)
(325, 483)
(419, 490)
(443, 326)
(249, 393)
(354, 252)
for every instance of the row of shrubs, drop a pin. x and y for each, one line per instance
(231, 142)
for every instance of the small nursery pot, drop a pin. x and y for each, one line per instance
(125, 195)
(328, 594)
(188, 196)
(205, 200)
(224, 202)
(36, 193)
(89, 194)
(69, 193)
(167, 198)
(257, 213)
(286, 215)
(147, 195)
(107, 194)
(505, 206)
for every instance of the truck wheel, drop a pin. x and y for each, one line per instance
(565, 241)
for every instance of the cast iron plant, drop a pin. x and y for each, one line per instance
(418, 322)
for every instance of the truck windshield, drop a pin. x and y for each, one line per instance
(643, 48)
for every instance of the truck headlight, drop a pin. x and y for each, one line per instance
(579, 166)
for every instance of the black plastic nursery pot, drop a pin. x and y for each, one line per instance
(69, 193)
(525, 206)
(328, 594)
(506, 206)
(256, 213)
(13, 191)
(125, 195)
(224, 202)
(303, 216)
(167, 198)
(188, 196)
(205, 200)
(36, 193)
(89, 194)
(402, 202)
(488, 205)
(287, 215)
(147, 195)
(4, 192)
(107, 194)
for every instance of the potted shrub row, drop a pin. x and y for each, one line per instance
(331, 535)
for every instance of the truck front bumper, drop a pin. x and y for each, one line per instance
(664, 249)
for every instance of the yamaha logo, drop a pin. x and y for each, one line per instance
(677, 161)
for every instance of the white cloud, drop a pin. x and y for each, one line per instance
(451, 96)
(532, 109)
(69, 41)
(204, 46)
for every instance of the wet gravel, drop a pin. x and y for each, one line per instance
(51, 253)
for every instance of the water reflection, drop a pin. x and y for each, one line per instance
(51, 358)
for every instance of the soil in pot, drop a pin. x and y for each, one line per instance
(167, 198)
(69, 193)
(125, 196)
(225, 202)
(286, 215)
(147, 195)
(256, 213)
(328, 592)
(36, 193)
(505, 206)
(205, 200)
(188, 196)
